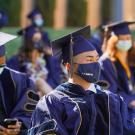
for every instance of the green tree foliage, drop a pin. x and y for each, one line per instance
(13, 10)
(76, 15)
(47, 9)
(76, 12)
(106, 10)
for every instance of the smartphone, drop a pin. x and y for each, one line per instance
(8, 122)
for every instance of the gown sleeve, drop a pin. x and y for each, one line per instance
(55, 114)
(26, 100)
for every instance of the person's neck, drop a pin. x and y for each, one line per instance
(79, 81)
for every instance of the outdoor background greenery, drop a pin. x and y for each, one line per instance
(14, 45)
(12, 8)
(75, 9)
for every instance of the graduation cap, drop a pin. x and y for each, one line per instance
(71, 45)
(4, 38)
(3, 18)
(33, 13)
(97, 44)
(119, 28)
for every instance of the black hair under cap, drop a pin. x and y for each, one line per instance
(119, 28)
(61, 47)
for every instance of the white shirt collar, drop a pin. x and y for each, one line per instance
(92, 88)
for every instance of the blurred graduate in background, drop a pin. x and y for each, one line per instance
(37, 54)
(37, 25)
(18, 96)
(117, 71)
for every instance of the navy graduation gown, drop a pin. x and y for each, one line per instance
(108, 73)
(70, 110)
(117, 79)
(113, 115)
(14, 63)
(125, 86)
(14, 93)
(70, 107)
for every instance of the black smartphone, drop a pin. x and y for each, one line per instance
(8, 122)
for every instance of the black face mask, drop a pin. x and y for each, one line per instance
(89, 72)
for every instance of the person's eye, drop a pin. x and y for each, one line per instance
(90, 59)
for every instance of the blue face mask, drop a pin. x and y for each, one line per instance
(89, 72)
(124, 45)
(39, 22)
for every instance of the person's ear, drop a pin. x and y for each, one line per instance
(68, 66)
(2, 60)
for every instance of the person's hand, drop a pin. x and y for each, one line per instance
(11, 130)
(37, 37)
(132, 104)
(3, 131)
(47, 50)
(111, 47)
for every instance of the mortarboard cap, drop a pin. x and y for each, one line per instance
(4, 38)
(97, 44)
(33, 13)
(119, 28)
(77, 41)
(3, 19)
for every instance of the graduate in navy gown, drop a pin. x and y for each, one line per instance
(18, 98)
(37, 23)
(120, 74)
(79, 106)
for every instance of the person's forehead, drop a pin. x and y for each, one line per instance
(88, 53)
(125, 36)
